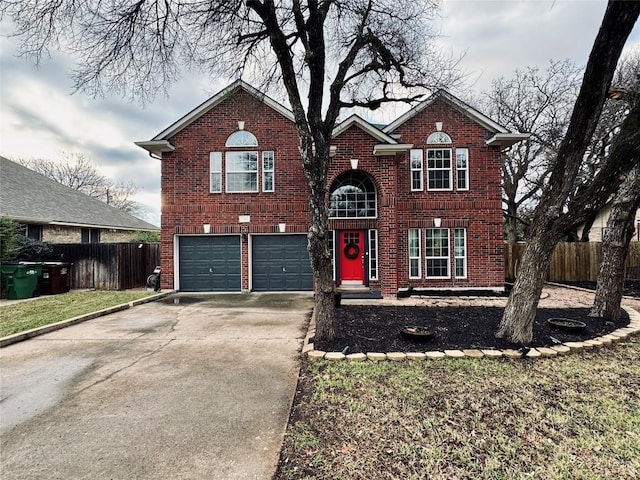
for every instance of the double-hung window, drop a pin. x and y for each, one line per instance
(462, 168)
(242, 164)
(437, 252)
(460, 252)
(416, 170)
(414, 253)
(439, 169)
(242, 172)
(267, 172)
(215, 169)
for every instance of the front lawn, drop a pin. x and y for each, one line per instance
(570, 417)
(18, 317)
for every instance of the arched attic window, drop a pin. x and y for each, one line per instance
(242, 138)
(439, 137)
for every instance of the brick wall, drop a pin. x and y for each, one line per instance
(66, 234)
(187, 203)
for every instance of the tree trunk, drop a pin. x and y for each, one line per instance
(548, 226)
(511, 225)
(319, 241)
(520, 311)
(615, 247)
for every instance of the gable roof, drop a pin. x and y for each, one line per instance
(29, 197)
(501, 135)
(160, 143)
(363, 125)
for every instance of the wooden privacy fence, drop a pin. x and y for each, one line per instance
(572, 261)
(109, 266)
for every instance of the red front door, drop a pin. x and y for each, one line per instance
(351, 251)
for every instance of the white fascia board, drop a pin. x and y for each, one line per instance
(385, 149)
(215, 100)
(156, 147)
(365, 126)
(104, 227)
(506, 140)
(471, 112)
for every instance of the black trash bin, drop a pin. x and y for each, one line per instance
(55, 278)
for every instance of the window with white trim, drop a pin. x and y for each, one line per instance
(416, 170)
(215, 169)
(460, 252)
(373, 254)
(267, 172)
(242, 138)
(439, 169)
(414, 253)
(437, 252)
(438, 137)
(242, 172)
(462, 168)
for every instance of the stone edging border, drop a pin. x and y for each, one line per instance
(534, 352)
(34, 332)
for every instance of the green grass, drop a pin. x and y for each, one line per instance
(570, 417)
(18, 317)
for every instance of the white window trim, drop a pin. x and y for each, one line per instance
(227, 171)
(450, 169)
(272, 171)
(213, 158)
(465, 170)
(447, 257)
(373, 238)
(463, 257)
(333, 254)
(419, 256)
(417, 152)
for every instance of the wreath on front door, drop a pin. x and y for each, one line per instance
(351, 251)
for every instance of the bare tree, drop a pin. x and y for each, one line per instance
(620, 226)
(327, 54)
(625, 86)
(552, 217)
(76, 171)
(539, 103)
(615, 246)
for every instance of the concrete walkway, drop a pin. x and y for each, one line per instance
(183, 388)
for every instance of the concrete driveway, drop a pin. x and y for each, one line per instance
(186, 387)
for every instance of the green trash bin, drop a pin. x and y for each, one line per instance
(21, 280)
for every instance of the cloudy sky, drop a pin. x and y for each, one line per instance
(40, 117)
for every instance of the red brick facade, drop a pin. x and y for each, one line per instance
(188, 205)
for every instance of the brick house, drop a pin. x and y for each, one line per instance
(416, 203)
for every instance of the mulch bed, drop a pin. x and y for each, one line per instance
(374, 328)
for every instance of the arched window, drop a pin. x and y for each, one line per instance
(353, 195)
(242, 138)
(439, 137)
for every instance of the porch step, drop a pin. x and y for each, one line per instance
(358, 293)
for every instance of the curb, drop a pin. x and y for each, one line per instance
(632, 328)
(35, 332)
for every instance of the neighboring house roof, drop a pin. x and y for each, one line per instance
(29, 197)
(501, 135)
